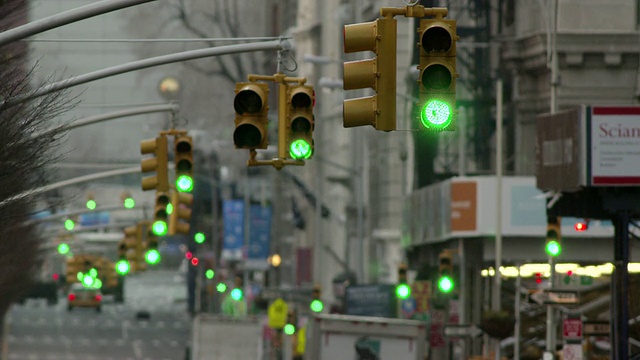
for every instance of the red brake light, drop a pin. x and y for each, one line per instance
(72, 297)
(581, 226)
(98, 297)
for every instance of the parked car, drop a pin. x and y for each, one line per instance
(82, 296)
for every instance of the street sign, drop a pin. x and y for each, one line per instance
(562, 297)
(277, 313)
(462, 331)
(597, 328)
(408, 307)
(572, 329)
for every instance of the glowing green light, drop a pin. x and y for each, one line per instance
(199, 238)
(63, 248)
(169, 209)
(209, 274)
(69, 224)
(236, 294)
(152, 256)
(403, 291)
(97, 284)
(221, 287)
(93, 273)
(436, 114)
(160, 228)
(80, 276)
(553, 248)
(184, 183)
(289, 329)
(316, 305)
(122, 267)
(88, 281)
(445, 284)
(300, 149)
(91, 204)
(129, 203)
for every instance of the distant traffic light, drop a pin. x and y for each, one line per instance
(316, 304)
(180, 213)
(292, 323)
(379, 110)
(438, 74)
(553, 245)
(122, 267)
(445, 272)
(236, 294)
(152, 255)
(69, 224)
(63, 248)
(199, 237)
(157, 163)
(160, 226)
(184, 163)
(127, 200)
(252, 106)
(403, 290)
(221, 287)
(209, 274)
(91, 202)
(300, 121)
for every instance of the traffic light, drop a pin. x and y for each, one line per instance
(403, 290)
(69, 224)
(180, 213)
(300, 121)
(152, 255)
(73, 268)
(316, 304)
(554, 237)
(133, 244)
(379, 110)
(160, 225)
(437, 70)
(292, 323)
(63, 248)
(183, 161)
(91, 202)
(127, 200)
(122, 265)
(251, 105)
(445, 272)
(157, 163)
(199, 237)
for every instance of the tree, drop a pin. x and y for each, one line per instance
(24, 158)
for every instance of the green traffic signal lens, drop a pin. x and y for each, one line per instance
(91, 204)
(403, 291)
(300, 149)
(199, 238)
(129, 203)
(184, 183)
(445, 284)
(169, 209)
(97, 284)
(63, 248)
(221, 287)
(236, 294)
(159, 228)
(209, 274)
(88, 281)
(93, 273)
(69, 224)
(316, 306)
(122, 267)
(553, 248)
(152, 256)
(436, 114)
(289, 329)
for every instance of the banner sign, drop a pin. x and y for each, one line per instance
(233, 225)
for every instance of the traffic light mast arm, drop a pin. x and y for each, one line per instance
(417, 11)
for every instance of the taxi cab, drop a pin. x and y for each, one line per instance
(82, 296)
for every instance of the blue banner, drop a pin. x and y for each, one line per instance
(259, 232)
(233, 219)
(94, 218)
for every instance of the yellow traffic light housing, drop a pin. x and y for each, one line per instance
(379, 110)
(438, 73)
(183, 160)
(300, 121)
(157, 163)
(446, 283)
(251, 104)
(160, 225)
(181, 213)
(553, 246)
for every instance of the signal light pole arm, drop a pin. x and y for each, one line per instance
(150, 62)
(64, 18)
(417, 11)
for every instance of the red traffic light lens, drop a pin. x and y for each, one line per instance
(581, 226)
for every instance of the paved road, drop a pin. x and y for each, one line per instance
(37, 331)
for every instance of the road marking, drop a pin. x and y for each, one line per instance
(137, 348)
(125, 333)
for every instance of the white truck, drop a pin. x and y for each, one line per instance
(348, 337)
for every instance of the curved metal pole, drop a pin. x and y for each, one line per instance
(151, 62)
(64, 18)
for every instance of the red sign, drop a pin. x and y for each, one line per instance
(572, 329)
(421, 291)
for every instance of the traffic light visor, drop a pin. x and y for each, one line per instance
(359, 37)
(437, 77)
(249, 99)
(436, 38)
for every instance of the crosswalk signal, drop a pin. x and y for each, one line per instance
(160, 226)
(300, 121)
(554, 237)
(183, 160)
(180, 213)
(438, 73)
(379, 110)
(157, 163)
(445, 272)
(251, 105)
